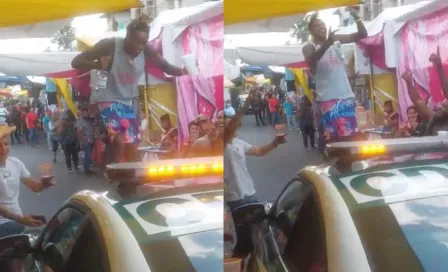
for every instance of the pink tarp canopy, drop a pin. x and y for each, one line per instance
(404, 37)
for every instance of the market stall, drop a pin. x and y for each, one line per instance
(396, 42)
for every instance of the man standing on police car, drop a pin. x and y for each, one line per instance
(12, 173)
(120, 63)
(333, 91)
(239, 185)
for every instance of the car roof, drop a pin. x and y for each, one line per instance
(201, 197)
(393, 182)
(161, 218)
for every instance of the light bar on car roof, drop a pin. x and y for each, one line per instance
(161, 170)
(386, 147)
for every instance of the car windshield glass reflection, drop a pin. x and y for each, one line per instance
(406, 236)
(195, 252)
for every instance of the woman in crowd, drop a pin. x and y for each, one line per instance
(192, 137)
(169, 138)
(414, 127)
(205, 125)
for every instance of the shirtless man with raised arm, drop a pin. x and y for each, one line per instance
(124, 61)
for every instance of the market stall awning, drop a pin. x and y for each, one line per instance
(240, 11)
(22, 12)
(40, 30)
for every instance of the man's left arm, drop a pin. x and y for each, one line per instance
(155, 58)
(351, 38)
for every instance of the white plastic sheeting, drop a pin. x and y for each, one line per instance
(231, 71)
(171, 23)
(272, 25)
(40, 30)
(36, 64)
(391, 20)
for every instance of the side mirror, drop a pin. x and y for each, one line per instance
(53, 257)
(15, 247)
(249, 214)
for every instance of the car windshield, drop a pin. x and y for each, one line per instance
(406, 236)
(188, 228)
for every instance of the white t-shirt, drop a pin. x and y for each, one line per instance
(10, 177)
(237, 180)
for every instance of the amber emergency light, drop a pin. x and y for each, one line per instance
(374, 148)
(165, 170)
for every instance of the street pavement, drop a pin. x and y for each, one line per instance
(273, 171)
(67, 183)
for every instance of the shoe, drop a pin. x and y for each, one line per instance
(88, 172)
(70, 169)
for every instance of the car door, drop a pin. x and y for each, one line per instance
(305, 248)
(71, 242)
(277, 229)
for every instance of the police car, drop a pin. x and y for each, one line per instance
(164, 216)
(379, 206)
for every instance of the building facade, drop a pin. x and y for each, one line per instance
(372, 8)
(119, 20)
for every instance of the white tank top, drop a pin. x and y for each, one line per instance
(331, 77)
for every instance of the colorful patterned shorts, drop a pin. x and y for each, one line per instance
(339, 118)
(119, 118)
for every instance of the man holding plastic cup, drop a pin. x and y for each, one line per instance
(12, 173)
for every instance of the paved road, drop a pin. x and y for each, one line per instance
(67, 183)
(272, 172)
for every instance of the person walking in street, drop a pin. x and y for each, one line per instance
(274, 107)
(257, 108)
(69, 141)
(54, 128)
(239, 186)
(307, 122)
(13, 120)
(121, 62)
(45, 122)
(288, 109)
(23, 114)
(333, 91)
(12, 173)
(31, 124)
(85, 133)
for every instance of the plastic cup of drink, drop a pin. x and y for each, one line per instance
(46, 172)
(189, 61)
